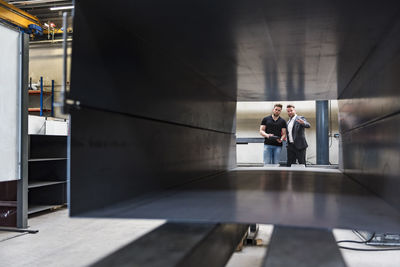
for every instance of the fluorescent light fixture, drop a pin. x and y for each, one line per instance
(61, 7)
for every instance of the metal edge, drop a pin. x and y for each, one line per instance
(22, 187)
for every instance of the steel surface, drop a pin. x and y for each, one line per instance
(369, 116)
(157, 109)
(372, 156)
(294, 198)
(302, 247)
(115, 157)
(263, 50)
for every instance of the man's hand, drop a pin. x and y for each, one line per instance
(279, 140)
(300, 121)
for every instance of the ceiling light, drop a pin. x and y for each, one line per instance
(61, 7)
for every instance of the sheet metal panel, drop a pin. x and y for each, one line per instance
(115, 157)
(292, 198)
(369, 119)
(263, 50)
(302, 247)
(372, 156)
(177, 71)
(143, 77)
(374, 92)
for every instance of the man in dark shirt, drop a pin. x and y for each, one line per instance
(273, 128)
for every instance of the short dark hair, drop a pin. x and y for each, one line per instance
(290, 106)
(278, 105)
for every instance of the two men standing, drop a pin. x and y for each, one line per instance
(274, 129)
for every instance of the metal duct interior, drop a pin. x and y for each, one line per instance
(157, 101)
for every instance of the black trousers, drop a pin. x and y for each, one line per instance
(293, 153)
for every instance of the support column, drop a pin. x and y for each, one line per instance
(22, 187)
(322, 122)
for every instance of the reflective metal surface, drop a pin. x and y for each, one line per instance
(302, 247)
(370, 120)
(372, 156)
(374, 92)
(294, 198)
(264, 50)
(115, 157)
(157, 108)
(166, 66)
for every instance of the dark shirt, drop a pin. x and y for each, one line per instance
(273, 127)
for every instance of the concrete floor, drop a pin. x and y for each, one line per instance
(253, 255)
(64, 241)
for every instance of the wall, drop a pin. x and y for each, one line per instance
(250, 114)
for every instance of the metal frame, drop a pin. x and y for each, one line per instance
(22, 188)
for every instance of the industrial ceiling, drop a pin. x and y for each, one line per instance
(43, 9)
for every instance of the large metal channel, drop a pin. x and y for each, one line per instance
(247, 195)
(115, 157)
(180, 245)
(302, 247)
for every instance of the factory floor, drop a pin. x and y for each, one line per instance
(64, 241)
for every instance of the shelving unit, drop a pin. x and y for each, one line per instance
(8, 204)
(41, 110)
(47, 172)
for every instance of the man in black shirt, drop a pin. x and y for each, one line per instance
(273, 128)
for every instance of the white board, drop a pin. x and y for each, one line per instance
(9, 104)
(56, 127)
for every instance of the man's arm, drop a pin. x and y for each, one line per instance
(263, 133)
(303, 122)
(283, 134)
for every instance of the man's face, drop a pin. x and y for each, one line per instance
(291, 112)
(277, 111)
